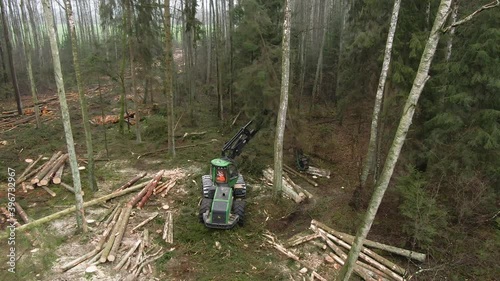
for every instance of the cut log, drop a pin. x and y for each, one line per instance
(339, 253)
(122, 225)
(367, 255)
(30, 166)
(114, 215)
(349, 239)
(127, 255)
(111, 240)
(281, 248)
(46, 168)
(21, 212)
(79, 260)
(168, 230)
(318, 172)
(131, 182)
(30, 174)
(49, 191)
(105, 235)
(151, 186)
(58, 175)
(53, 170)
(70, 188)
(300, 240)
(293, 171)
(144, 222)
(314, 274)
(288, 190)
(106, 214)
(299, 189)
(368, 259)
(72, 209)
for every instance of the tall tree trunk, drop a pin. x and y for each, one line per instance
(303, 48)
(453, 19)
(399, 139)
(28, 47)
(230, 47)
(122, 74)
(132, 72)
(281, 121)
(83, 99)
(216, 31)
(372, 145)
(15, 85)
(168, 77)
(80, 215)
(319, 67)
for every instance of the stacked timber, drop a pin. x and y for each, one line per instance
(289, 187)
(335, 246)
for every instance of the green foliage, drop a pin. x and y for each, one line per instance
(155, 128)
(426, 218)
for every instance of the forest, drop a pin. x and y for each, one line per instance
(371, 135)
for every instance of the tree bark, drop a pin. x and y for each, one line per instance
(319, 66)
(28, 47)
(70, 210)
(372, 145)
(169, 80)
(281, 120)
(130, 32)
(80, 216)
(399, 139)
(10, 57)
(82, 98)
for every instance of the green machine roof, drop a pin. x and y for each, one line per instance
(220, 162)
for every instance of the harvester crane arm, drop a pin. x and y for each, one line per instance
(233, 147)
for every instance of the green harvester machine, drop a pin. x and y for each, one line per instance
(224, 189)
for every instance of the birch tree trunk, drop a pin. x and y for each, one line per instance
(399, 139)
(372, 145)
(168, 77)
(280, 123)
(453, 19)
(80, 216)
(15, 85)
(82, 98)
(28, 47)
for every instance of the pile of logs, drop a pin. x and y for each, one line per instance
(10, 119)
(44, 174)
(138, 257)
(290, 188)
(334, 247)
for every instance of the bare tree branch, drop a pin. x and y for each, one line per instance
(469, 17)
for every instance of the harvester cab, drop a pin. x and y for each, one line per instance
(224, 189)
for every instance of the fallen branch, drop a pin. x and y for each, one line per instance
(144, 222)
(72, 209)
(79, 260)
(127, 255)
(318, 172)
(302, 239)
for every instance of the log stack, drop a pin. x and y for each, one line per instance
(370, 265)
(109, 248)
(290, 188)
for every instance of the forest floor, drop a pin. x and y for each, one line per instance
(198, 253)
